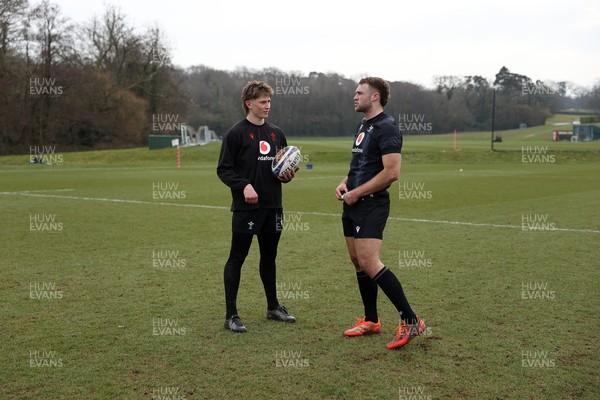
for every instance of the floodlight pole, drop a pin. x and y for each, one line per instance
(493, 117)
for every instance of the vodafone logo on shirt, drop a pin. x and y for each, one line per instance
(360, 138)
(264, 147)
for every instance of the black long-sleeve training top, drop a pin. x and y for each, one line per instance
(247, 152)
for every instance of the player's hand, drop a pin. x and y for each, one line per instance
(340, 191)
(350, 197)
(250, 195)
(288, 176)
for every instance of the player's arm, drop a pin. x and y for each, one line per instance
(389, 174)
(341, 189)
(227, 173)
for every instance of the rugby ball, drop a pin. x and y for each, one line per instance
(286, 159)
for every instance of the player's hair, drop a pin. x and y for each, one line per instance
(379, 85)
(253, 90)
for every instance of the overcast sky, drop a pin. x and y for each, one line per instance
(398, 40)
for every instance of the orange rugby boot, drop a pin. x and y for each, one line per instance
(363, 327)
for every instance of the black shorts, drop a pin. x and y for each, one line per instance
(366, 219)
(259, 220)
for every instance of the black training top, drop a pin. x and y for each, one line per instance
(246, 155)
(374, 138)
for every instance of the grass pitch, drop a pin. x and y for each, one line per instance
(112, 277)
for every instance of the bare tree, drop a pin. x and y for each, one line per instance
(111, 43)
(447, 84)
(13, 14)
(51, 35)
(594, 97)
(51, 41)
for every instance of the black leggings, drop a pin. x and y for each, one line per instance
(240, 245)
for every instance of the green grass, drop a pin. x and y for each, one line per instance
(100, 258)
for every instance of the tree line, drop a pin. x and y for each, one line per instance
(105, 83)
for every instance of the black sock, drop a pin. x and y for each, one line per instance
(231, 277)
(368, 291)
(268, 243)
(240, 244)
(392, 288)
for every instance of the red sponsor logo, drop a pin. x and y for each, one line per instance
(252, 136)
(264, 147)
(360, 138)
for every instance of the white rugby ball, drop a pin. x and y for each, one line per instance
(286, 159)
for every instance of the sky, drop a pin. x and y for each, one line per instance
(397, 40)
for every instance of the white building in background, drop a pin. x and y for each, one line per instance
(199, 137)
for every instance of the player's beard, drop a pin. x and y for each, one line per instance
(362, 108)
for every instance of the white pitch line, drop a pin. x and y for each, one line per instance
(40, 191)
(433, 221)
(57, 196)
(430, 221)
